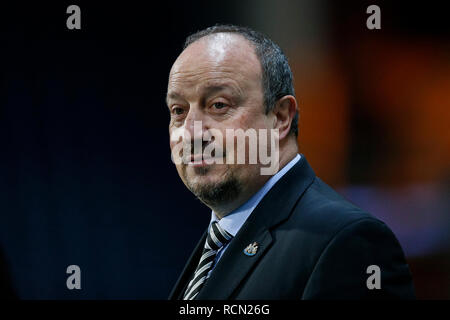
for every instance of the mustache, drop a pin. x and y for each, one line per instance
(205, 149)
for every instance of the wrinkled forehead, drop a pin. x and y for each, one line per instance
(219, 55)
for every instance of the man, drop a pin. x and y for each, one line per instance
(282, 235)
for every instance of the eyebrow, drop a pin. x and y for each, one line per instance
(172, 95)
(207, 90)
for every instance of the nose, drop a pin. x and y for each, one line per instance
(195, 125)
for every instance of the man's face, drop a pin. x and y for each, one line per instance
(217, 80)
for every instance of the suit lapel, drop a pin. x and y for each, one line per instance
(234, 265)
(273, 209)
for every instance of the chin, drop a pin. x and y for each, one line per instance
(202, 180)
(214, 189)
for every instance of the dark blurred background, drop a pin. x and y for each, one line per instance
(85, 170)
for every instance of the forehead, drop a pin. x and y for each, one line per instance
(222, 57)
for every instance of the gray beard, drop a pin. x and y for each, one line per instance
(217, 194)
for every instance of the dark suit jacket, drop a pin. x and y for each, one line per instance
(313, 244)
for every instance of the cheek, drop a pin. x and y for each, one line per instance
(253, 119)
(176, 136)
(173, 144)
(245, 120)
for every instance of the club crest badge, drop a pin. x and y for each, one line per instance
(251, 249)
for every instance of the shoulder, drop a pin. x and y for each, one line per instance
(321, 218)
(326, 220)
(322, 209)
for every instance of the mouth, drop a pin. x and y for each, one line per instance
(200, 161)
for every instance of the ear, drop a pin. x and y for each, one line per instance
(284, 112)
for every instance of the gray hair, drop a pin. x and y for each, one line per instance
(277, 79)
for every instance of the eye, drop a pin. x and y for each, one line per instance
(177, 111)
(219, 105)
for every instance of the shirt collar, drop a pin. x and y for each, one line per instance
(234, 221)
